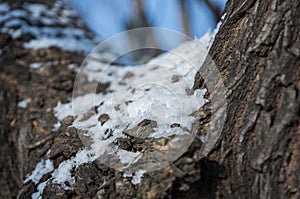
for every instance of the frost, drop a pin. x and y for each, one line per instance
(23, 103)
(42, 168)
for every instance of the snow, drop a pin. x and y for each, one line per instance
(66, 43)
(212, 37)
(73, 67)
(63, 110)
(51, 31)
(159, 90)
(23, 103)
(56, 126)
(42, 168)
(4, 7)
(127, 174)
(156, 97)
(36, 65)
(136, 179)
(60, 175)
(63, 173)
(40, 188)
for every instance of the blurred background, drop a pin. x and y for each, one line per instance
(109, 17)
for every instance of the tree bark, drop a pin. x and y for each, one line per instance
(257, 155)
(257, 52)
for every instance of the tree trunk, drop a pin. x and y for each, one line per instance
(256, 51)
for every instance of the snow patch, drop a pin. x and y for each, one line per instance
(40, 188)
(63, 173)
(65, 43)
(42, 168)
(63, 110)
(128, 101)
(51, 31)
(23, 103)
(137, 177)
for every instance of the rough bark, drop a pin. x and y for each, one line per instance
(257, 53)
(257, 156)
(26, 133)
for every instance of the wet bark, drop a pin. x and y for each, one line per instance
(257, 155)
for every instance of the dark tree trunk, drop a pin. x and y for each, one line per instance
(257, 52)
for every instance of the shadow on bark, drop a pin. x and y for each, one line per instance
(207, 186)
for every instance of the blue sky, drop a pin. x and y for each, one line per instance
(109, 17)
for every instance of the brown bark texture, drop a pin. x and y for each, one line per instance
(257, 52)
